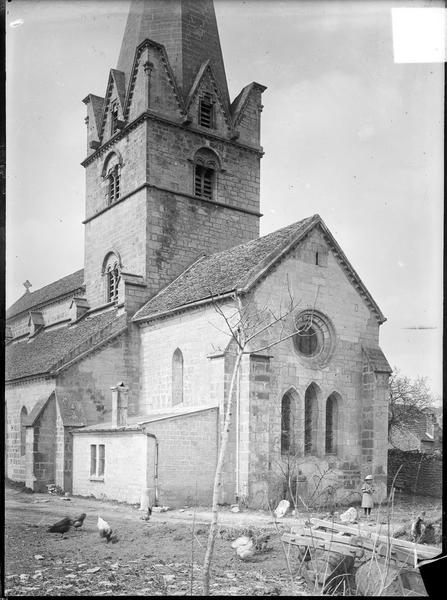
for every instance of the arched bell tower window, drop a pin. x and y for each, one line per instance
(177, 377)
(111, 271)
(206, 165)
(23, 415)
(112, 177)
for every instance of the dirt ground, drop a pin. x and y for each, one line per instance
(151, 557)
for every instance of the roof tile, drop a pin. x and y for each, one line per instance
(54, 347)
(222, 272)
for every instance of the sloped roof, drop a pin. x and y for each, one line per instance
(52, 348)
(136, 422)
(377, 360)
(72, 412)
(61, 287)
(37, 409)
(219, 273)
(239, 268)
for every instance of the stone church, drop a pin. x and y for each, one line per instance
(117, 375)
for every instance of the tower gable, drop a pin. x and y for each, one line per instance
(205, 91)
(113, 114)
(152, 84)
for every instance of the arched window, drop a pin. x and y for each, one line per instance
(331, 424)
(23, 415)
(111, 271)
(112, 175)
(205, 166)
(177, 377)
(310, 419)
(288, 412)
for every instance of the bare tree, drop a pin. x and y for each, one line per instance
(251, 330)
(408, 399)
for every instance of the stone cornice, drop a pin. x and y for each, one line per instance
(29, 379)
(149, 114)
(175, 192)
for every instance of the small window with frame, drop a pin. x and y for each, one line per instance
(97, 461)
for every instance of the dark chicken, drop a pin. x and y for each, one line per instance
(61, 526)
(78, 522)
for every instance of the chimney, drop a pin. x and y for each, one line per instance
(78, 308)
(119, 405)
(35, 322)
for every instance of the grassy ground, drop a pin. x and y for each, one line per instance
(162, 556)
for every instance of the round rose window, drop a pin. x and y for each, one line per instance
(315, 338)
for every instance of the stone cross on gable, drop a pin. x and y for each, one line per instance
(27, 286)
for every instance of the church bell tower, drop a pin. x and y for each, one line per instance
(172, 166)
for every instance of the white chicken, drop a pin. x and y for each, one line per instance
(281, 509)
(104, 529)
(244, 547)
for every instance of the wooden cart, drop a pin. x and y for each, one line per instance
(384, 565)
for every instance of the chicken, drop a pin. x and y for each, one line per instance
(104, 529)
(148, 514)
(61, 526)
(78, 522)
(244, 546)
(281, 509)
(261, 542)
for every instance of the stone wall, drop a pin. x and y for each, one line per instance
(44, 455)
(195, 333)
(327, 288)
(187, 457)
(125, 474)
(18, 395)
(89, 380)
(421, 473)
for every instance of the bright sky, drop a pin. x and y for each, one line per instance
(347, 133)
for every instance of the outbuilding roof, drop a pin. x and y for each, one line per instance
(51, 349)
(240, 267)
(62, 287)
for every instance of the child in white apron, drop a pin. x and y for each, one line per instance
(367, 495)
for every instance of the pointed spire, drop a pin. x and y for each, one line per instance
(187, 29)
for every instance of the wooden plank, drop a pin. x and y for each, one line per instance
(299, 540)
(354, 540)
(423, 551)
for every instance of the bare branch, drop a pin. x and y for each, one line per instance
(270, 345)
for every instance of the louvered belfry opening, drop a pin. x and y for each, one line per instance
(205, 166)
(206, 110)
(203, 181)
(113, 117)
(114, 185)
(112, 285)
